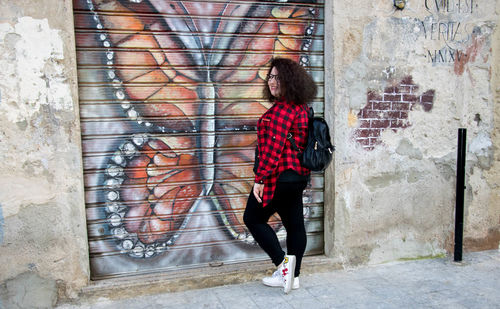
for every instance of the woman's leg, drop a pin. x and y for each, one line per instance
(288, 201)
(255, 218)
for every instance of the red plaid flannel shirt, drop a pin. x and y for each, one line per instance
(275, 152)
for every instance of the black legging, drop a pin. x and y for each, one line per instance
(287, 202)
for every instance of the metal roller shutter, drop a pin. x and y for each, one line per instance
(170, 92)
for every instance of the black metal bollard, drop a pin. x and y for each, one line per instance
(459, 203)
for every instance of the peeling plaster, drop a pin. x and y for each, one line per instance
(29, 290)
(13, 190)
(481, 146)
(401, 242)
(384, 180)
(32, 72)
(406, 148)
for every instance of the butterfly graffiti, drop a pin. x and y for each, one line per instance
(189, 74)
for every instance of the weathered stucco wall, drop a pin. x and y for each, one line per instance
(43, 248)
(405, 81)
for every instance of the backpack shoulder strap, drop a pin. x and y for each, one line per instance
(289, 136)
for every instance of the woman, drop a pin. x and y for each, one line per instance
(279, 178)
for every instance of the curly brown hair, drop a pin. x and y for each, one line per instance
(295, 83)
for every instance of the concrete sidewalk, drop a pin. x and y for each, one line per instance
(431, 283)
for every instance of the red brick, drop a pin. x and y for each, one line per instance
(409, 98)
(382, 124)
(364, 124)
(362, 133)
(404, 115)
(368, 132)
(392, 97)
(427, 99)
(381, 106)
(427, 106)
(370, 114)
(400, 106)
(391, 90)
(405, 89)
(396, 123)
(393, 115)
(375, 132)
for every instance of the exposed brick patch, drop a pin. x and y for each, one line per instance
(389, 110)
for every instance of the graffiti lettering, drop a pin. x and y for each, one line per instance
(449, 6)
(446, 55)
(452, 32)
(443, 31)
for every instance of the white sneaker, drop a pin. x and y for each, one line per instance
(276, 280)
(296, 283)
(283, 276)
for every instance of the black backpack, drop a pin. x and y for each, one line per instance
(318, 152)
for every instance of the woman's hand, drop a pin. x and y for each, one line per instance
(258, 190)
